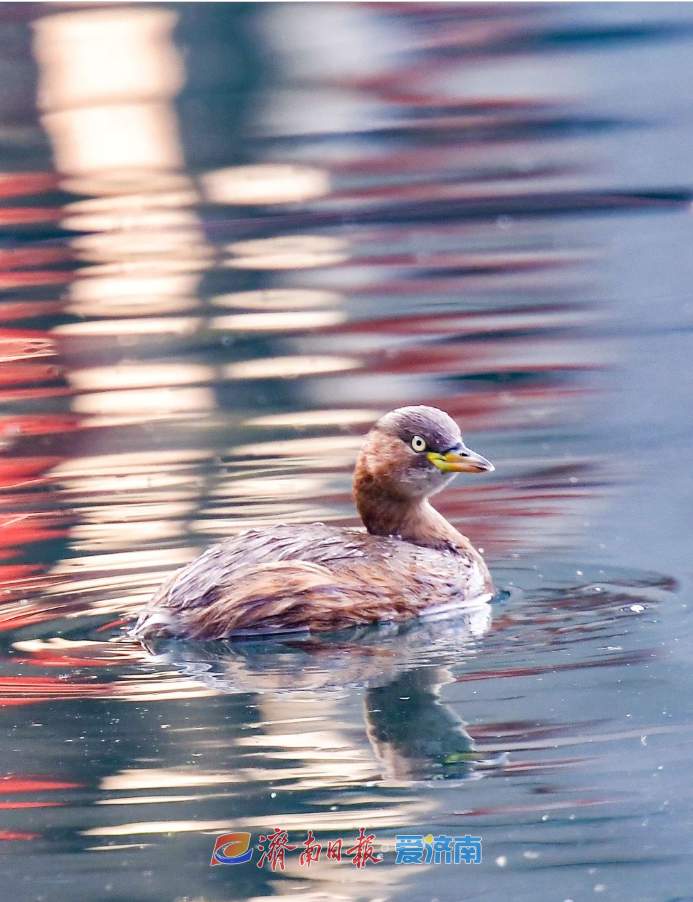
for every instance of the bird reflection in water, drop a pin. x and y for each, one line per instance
(412, 733)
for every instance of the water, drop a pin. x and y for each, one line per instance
(483, 208)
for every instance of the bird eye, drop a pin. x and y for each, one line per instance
(418, 444)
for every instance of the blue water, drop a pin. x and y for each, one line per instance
(233, 235)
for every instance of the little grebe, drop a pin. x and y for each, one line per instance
(411, 561)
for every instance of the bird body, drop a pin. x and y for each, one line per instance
(410, 561)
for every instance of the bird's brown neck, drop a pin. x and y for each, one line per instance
(412, 519)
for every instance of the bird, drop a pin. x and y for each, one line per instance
(409, 561)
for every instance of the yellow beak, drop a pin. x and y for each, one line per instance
(460, 460)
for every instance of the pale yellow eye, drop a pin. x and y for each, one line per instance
(418, 444)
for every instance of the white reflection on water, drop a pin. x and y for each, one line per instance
(144, 325)
(286, 321)
(287, 252)
(265, 183)
(135, 375)
(289, 367)
(116, 72)
(110, 72)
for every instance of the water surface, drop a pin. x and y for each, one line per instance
(231, 237)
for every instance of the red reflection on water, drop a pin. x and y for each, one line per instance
(45, 424)
(33, 784)
(28, 215)
(29, 372)
(12, 835)
(23, 184)
(30, 690)
(11, 784)
(9, 806)
(19, 529)
(10, 573)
